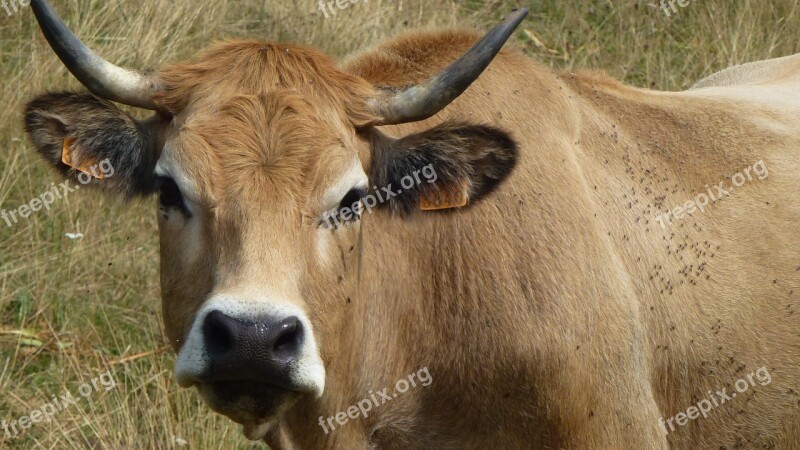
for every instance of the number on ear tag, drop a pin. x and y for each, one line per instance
(456, 197)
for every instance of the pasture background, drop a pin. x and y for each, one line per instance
(69, 310)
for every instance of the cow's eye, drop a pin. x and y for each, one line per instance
(353, 201)
(169, 196)
(349, 210)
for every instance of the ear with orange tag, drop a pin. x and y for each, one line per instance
(454, 164)
(88, 167)
(455, 197)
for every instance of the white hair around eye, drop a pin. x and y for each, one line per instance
(353, 178)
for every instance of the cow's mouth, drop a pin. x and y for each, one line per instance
(254, 405)
(248, 364)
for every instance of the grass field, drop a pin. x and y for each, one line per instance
(73, 309)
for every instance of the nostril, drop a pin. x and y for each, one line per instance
(262, 350)
(217, 333)
(288, 337)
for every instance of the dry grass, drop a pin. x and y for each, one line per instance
(69, 309)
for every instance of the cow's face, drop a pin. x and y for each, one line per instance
(256, 283)
(259, 173)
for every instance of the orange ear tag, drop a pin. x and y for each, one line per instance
(66, 158)
(455, 197)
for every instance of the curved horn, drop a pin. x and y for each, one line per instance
(100, 76)
(424, 100)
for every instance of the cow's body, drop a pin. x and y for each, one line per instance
(560, 314)
(554, 311)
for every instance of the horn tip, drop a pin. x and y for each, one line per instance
(519, 12)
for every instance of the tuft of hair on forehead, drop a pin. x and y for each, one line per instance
(250, 67)
(255, 144)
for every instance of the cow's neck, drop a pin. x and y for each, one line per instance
(441, 291)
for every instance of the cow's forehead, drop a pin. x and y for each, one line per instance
(256, 68)
(246, 110)
(259, 145)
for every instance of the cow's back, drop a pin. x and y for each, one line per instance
(771, 83)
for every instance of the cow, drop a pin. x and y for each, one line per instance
(574, 263)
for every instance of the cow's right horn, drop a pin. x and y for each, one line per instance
(104, 79)
(422, 101)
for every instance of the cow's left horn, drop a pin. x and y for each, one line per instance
(422, 101)
(100, 76)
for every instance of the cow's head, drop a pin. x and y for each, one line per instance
(259, 154)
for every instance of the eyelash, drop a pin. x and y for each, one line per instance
(335, 217)
(351, 198)
(169, 195)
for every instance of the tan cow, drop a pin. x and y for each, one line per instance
(628, 262)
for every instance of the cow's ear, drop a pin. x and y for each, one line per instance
(90, 140)
(446, 167)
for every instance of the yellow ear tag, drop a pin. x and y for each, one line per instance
(456, 197)
(90, 169)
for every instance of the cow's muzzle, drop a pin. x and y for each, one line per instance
(259, 352)
(250, 360)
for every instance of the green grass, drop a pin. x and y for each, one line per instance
(70, 309)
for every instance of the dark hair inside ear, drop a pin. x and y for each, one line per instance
(95, 131)
(442, 162)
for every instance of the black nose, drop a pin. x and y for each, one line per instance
(261, 352)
